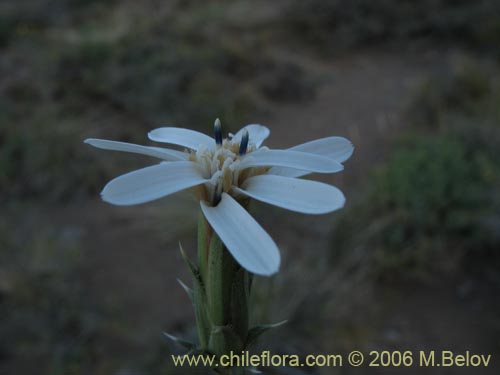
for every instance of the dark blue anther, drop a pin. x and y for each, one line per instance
(218, 132)
(244, 143)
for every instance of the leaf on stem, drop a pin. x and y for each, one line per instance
(257, 331)
(184, 343)
(188, 290)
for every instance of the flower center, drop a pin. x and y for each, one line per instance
(220, 164)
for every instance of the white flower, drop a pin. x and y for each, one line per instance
(225, 174)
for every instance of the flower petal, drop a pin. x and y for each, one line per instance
(250, 245)
(182, 137)
(257, 134)
(157, 152)
(151, 183)
(308, 197)
(337, 148)
(291, 159)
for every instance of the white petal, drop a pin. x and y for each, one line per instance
(157, 152)
(309, 197)
(257, 134)
(291, 159)
(244, 238)
(337, 148)
(151, 183)
(182, 137)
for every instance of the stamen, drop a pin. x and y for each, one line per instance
(244, 143)
(218, 132)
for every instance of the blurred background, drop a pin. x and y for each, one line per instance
(411, 263)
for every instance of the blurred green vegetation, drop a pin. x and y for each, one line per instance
(35, 164)
(331, 26)
(47, 313)
(435, 206)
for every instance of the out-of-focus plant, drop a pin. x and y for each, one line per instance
(169, 72)
(46, 313)
(435, 204)
(469, 93)
(29, 167)
(338, 24)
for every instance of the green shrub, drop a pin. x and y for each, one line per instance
(434, 182)
(426, 210)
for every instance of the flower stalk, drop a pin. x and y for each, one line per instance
(220, 296)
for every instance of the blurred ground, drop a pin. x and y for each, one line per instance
(88, 288)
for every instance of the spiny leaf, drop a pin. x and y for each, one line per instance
(187, 289)
(257, 331)
(192, 267)
(199, 302)
(186, 344)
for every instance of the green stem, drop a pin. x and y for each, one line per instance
(204, 234)
(222, 311)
